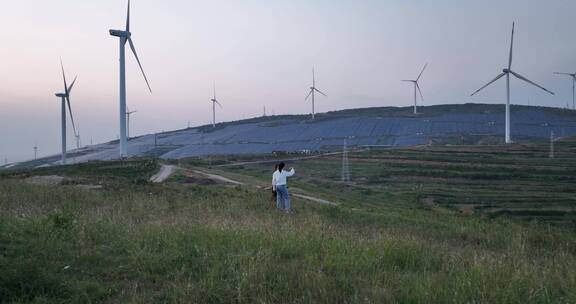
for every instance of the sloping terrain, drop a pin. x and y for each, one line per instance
(393, 127)
(516, 181)
(397, 235)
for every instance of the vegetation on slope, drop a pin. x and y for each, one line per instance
(137, 242)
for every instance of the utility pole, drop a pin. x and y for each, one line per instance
(551, 144)
(345, 163)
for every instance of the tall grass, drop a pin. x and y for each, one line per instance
(218, 244)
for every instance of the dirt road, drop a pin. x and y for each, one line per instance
(165, 172)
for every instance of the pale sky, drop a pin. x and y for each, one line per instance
(260, 53)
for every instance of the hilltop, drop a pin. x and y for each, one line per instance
(381, 127)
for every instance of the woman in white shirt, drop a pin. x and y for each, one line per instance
(279, 185)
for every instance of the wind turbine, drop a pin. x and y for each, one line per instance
(77, 136)
(312, 92)
(128, 113)
(417, 88)
(506, 72)
(35, 151)
(214, 102)
(65, 97)
(573, 76)
(125, 36)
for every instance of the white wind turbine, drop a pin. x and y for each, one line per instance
(125, 36)
(65, 98)
(312, 92)
(417, 88)
(214, 102)
(128, 114)
(573, 77)
(506, 72)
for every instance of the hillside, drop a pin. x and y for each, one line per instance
(461, 224)
(390, 126)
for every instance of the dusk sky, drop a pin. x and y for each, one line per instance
(260, 53)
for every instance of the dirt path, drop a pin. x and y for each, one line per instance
(302, 196)
(218, 177)
(165, 172)
(314, 199)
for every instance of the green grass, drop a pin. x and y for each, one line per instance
(517, 181)
(135, 242)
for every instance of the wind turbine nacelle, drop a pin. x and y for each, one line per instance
(119, 33)
(60, 95)
(506, 71)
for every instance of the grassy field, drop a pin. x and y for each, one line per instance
(521, 182)
(422, 225)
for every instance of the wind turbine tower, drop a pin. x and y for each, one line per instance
(345, 163)
(312, 92)
(125, 36)
(551, 144)
(573, 78)
(35, 151)
(507, 72)
(128, 114)
(417, 88)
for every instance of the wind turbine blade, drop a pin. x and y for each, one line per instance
(420, 91)
(71, 115)
(64, 77)
(530, 82)
(511, 47)
(128, 18)
(408, 80)
(313, 77)
(559, 73)
(320, 92)
(308, 96)
(494, 80)
(72, 85)
(138, 60)
(422, 72)
(217, 102)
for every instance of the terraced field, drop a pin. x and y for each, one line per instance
(519, 181)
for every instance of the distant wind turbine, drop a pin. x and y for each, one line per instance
(312, 92)
(77, 136)
(35, 151)
(214, 102)
(506, 72)
(573, 77)
(65, 97)
(128, 114)
(417, 88)
(125, 36)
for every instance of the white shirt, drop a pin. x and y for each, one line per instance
(279, 178)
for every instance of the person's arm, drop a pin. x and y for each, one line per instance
(274, 182)
(290, 173)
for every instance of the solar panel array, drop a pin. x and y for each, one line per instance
(297, 135)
